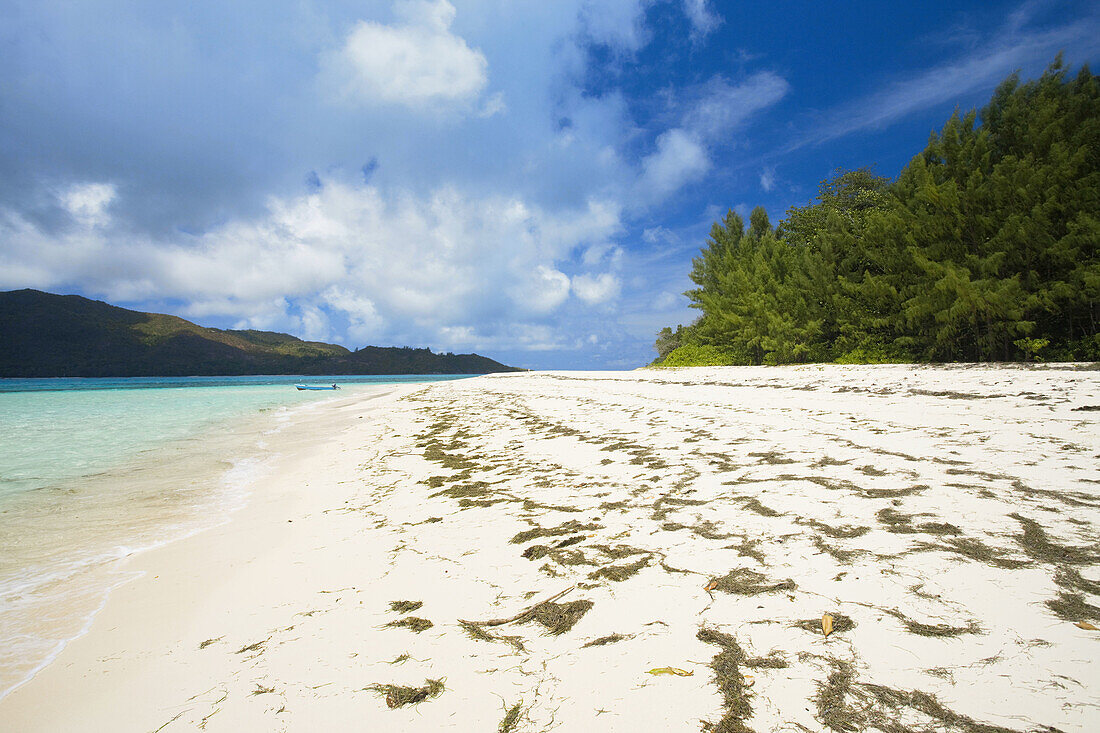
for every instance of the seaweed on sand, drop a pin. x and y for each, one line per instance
(619, 573)
(841, 623)
(570, 527)
(1038, 546)
(745, 582)
(847, 706)
(400, 695)
(731, 683)
(511, 718)
(609, 639)
(975, 549)
(936, 630)
(405, 606)
(774, 660)
(478, 633)
(413, 623)
(845, 557)
(559, 618)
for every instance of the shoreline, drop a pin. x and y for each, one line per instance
(703, 518)
(219, 472)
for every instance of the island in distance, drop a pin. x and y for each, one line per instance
(47, 335)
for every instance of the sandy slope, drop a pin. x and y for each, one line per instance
(947, 518)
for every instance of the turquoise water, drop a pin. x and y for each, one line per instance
(52, 430)
(93, 471)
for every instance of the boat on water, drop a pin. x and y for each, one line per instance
(301, 387)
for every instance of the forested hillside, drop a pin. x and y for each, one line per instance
(46, 335)
(983, 249)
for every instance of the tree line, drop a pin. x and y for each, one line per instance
(984, 248)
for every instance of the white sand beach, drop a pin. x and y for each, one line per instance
(946, 518)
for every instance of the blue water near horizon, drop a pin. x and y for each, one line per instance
(65, 427)
(94, 470)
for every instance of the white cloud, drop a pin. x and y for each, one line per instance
(380, 261)
(596, 289)
(414, 63)
(767, 178)
(682, 155)
(724, 106)
(616, 23)
(703, 19)
(88, 202)
(679, 159)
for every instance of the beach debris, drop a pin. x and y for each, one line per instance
(208, 642)
(524, 614)
(258, 647)
(826, 625)
(558, 618)
(711, 585)
(730, 680)
(609, 639)
(413, 623)
(671, 670)
(405, 606)
(511, 718)
(745, 582)
(474, 631)
(619, 573)
(400, 695)
(840, 624)
(1086, 626)
(749, 680)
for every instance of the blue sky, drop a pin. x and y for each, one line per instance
(528, 180)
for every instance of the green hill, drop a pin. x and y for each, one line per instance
(45, 335)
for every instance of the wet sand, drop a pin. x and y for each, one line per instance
(703, 520)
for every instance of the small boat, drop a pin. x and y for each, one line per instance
(311, 386)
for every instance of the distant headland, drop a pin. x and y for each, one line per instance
(47, 335)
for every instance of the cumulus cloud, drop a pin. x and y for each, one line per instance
(415, 62)
(680, 158)
(88, 202)
(594, 289)
(353, 255)
(683, 155)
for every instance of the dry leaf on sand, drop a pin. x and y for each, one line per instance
(1085, 625)
(826, 625)
(711, 585)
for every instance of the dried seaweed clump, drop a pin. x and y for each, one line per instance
(609, 639)
(413, 623)
(405, 606)
(477, 632)
(937, 630)
(399, 695)
(511, 718)
(841, 623)
(559, 617)
(745, 582)
(731, 683)
(570, 527)
(619, 573)
(774, 660)
(846, 705)
(1039, 546)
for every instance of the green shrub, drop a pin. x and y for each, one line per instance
(695, 355)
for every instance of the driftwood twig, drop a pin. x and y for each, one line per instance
(522, 614)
